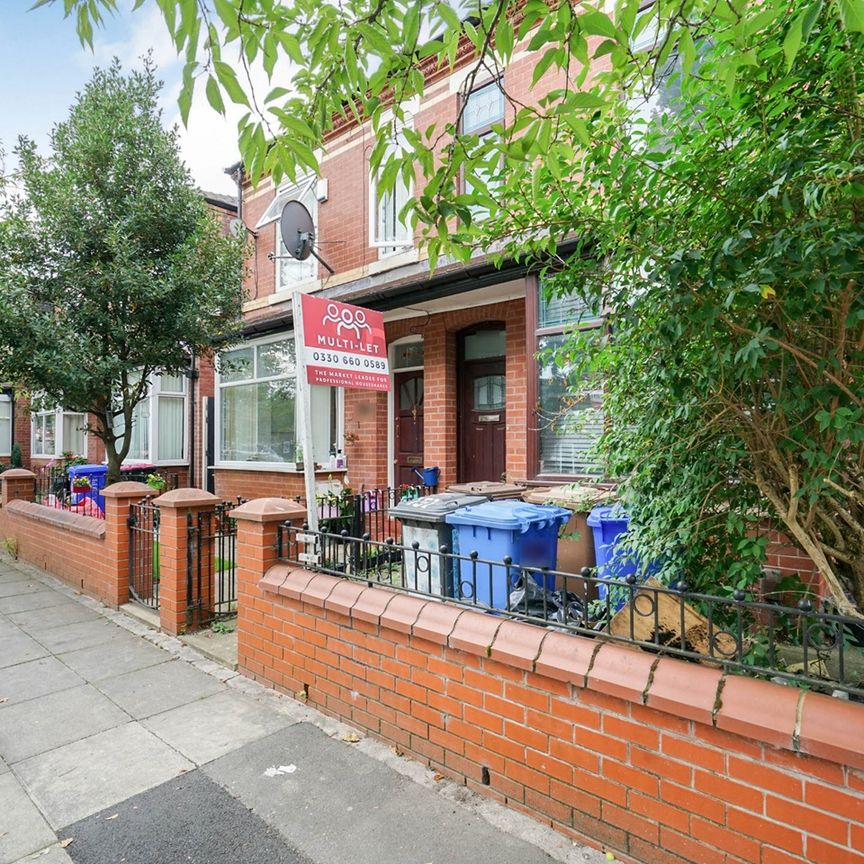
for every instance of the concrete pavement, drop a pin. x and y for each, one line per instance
(121, 745)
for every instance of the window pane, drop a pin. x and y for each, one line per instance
(321, 424)
(484, 343)
(483, 107)
(276, 358)
(408, 355)
(170, 432)
(44, 439)
(489, 393)
(562, 310)
(257, 422)
(140, 446)
(172, 384)
(73, 434)
(236, 365)
(5, 425)
(570, 421)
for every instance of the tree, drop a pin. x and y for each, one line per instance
(722, 237)
(112, 270)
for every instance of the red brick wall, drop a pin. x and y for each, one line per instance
(658, 761)
(231, 483)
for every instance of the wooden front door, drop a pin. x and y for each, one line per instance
(408, 437)
(483, 420)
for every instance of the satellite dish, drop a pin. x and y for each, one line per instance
(237, 227)
(298, 232)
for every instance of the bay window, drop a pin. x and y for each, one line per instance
(56, 432)
(258, 423)
(159, 422)
(569, 418)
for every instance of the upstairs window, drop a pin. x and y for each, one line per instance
(389, 233)
(289, 271)
(483, 109)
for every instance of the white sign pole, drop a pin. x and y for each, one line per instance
(304, 406)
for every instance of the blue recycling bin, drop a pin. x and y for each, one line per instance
(609, 524)
(97, 475)
(428, 476)
(527, 533)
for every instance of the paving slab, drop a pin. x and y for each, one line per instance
(17, 647)
(21, 585)
(72, 637)
(34, 600)
(189, 819)
(53, 855)
(338, 799)
(35, 621)
(36, 678)
(4, 768)
(87, 776)
(42, 724)
(114, 658)
(158, 688)
(205, 730)
(22, 828)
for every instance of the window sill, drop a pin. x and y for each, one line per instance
(272, 467)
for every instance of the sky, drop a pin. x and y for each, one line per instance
(43, 66)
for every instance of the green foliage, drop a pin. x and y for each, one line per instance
(111, 267)
(16, 459)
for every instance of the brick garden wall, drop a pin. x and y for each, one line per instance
(657, 760)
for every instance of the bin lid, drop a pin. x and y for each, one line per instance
(578, 497)
(78, 470)
(433, 508)
(489, 489)
(510, 515)
(608, 513)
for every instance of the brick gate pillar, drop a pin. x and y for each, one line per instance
(175, 508)
(18, 484)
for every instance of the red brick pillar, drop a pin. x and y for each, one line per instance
(18, 484)
(175, 508)
(258, 524)
(118, 498)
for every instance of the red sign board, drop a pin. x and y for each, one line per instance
(344, 346)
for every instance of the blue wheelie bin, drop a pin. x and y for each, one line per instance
(527, 533)
(96, 474)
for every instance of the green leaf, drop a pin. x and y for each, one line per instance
(228, 80)
(597, 24)
(852, 14)
(792, 42)
(214, 96)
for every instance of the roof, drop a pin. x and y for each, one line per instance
(218, 199)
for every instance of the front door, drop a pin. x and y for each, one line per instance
(408, 437)
(482, 410)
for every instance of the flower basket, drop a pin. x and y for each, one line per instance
(80, 485)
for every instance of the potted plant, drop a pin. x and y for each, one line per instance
(298, 458)
(80, 485)
(157, 482)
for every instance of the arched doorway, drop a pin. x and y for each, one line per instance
(482, 402)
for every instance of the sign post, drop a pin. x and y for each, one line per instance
(335, 345)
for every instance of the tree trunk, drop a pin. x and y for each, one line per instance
(114, 463)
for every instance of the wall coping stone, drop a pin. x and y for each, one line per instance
(268, 510)
(17, 474)
(781, 716)
(128, 489)
(182, 498)
(76, 523)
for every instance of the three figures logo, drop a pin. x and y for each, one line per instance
(347, 319)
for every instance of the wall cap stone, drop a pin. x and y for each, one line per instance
(128, 489)
(75, 523)
(177, 498)
(17, 474)
(268, 510)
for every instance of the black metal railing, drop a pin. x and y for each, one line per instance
(803, 645)
(143, 524)
(211, 564)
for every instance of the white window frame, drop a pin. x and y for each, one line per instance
(403, 234)
(478, 211)
(59, 443)
(284, 467)
(6, 446)
(154, 392)
(391, 400)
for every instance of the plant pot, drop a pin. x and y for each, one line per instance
(80, 490)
